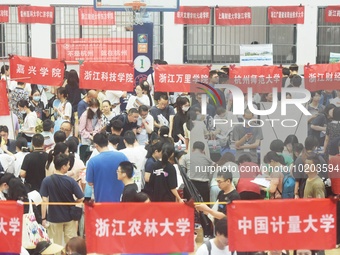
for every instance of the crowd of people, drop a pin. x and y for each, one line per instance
(123, 146)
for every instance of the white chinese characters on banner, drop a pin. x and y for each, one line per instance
(150, 228)
(108, 76)
(40, 14)
(333, 13)
(191, 15)
(272, 225)
(256, 79)
(322, 77)
(43, 71)
(183, 78)
(12, 227)
(288, 15)
(97, 16)
(4, 13)
(237, 15)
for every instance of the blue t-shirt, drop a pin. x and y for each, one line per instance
(102, 172)
(82, 105)
(59, 189)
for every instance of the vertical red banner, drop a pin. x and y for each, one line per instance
(35, 14)
(4, 104)
(139, 228)
(89, 16)
(282, 224)
(4, 14)
(231, 16)
(11, 226)
(286, 14)
(332, 14)
(193, 15)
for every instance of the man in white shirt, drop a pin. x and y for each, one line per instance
(144, 125)
(219, 244)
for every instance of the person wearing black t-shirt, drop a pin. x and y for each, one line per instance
(125, 173)
(227, 194)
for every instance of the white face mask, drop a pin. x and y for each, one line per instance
(185, 108)
(23, 112)
(94, 109)
(5, 191)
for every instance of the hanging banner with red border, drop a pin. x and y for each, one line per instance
(286, 14)
(35, 14)
(106, 76)
(284, 224)
(178, 78)
(139, 228)
(322, 76)
(95, 49)
(89, 16)
(4, 106)
(4, 14)
(11, 226)
(231, 16)
(262, 79)
(332, 14)
(37, 70)
(193, 15)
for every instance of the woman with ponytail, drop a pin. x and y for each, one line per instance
(163, 179)
(59, 148)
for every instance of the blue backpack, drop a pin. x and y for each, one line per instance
(288, 186)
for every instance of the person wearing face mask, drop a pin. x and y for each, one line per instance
(90, 122)
(4, 180)
(30, 121)
(37, 105)
(177, 121)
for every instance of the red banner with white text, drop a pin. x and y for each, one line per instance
(4, 14)
(11, 226)
(95, 49)
(4, 106)
(193, 15)
(35, 14)
(89, 16)
(139, 228)
(106, 76)
(282, 224)
(262, 79)
(286, 14)
(322, 76)
(178, 78)
(231, 16)
(37, 70)
(332, 14)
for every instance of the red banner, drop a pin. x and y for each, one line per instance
(178, 78)
(139, 228)
(37, 70)
(95, 49)
(322, 76)
(193, 15)
(4, 106)
(282, 224)
(262, 79)
(89, 16)
(106, 76)
(232, 16)
(4, 14)
(286, 14)
(332, 14)
(35, 14)
(11, 226)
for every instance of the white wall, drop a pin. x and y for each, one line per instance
(173, 34)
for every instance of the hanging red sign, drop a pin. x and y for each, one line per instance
(286, 14)
(35, 14)
(332, 14)
(11, 226)
(106, 76)
(95, 49)
(262, 79)
(37, 70)
(231, 16)
(4, 106)
(89, 16)
(128, 227)
(322, 76)
(178, 78)
(193, 15)
(4, 14)
(284, 224)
